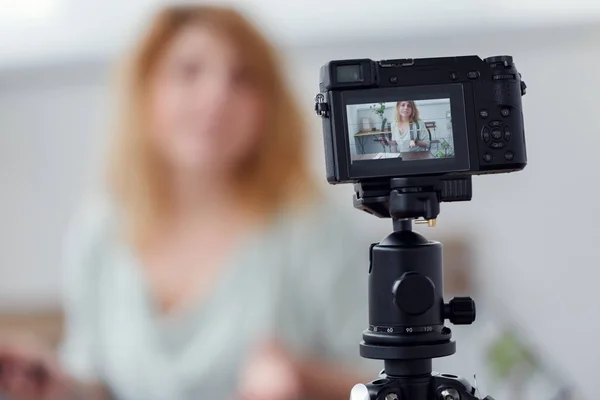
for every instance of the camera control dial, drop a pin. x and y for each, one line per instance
(499, 59)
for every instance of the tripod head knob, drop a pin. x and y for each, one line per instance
(460, 311)
(414, 293)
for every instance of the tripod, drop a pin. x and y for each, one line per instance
(406, 305)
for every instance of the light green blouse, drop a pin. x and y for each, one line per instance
(302, 280)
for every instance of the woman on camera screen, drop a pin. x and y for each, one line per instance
(409, 133)
(210, 268)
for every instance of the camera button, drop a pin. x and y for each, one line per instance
(453, 76)
(509, 156)
(487, 157)
(497, 145)
(393, 79)
(505, 112)
(473, 74)
(507, 134)
(497, 134)
(484, 113)
(505, 77)
(485, 135)
(494, 124)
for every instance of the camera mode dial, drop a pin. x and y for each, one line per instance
(506, 60)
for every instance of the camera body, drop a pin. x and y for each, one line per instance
(452, 116)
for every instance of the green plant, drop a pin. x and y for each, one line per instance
(379, 110)
(447, 150)
(507, 353)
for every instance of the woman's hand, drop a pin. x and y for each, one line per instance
(270, 374)
(412, 144)
(29, 371)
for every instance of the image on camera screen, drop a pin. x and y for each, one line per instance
(408, 130)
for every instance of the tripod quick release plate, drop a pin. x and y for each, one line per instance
(411, 198)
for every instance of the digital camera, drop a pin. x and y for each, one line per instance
(421, 117)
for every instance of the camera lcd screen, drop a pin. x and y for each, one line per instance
(401, 131)
(405, 130)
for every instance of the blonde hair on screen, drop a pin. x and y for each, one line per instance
(277, 175)
(414, 116)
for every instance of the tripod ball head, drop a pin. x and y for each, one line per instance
(407, 310)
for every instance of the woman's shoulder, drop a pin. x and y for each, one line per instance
(91, 224)
(322, 237)
(322, 218)
(94, 211)
(85, 246)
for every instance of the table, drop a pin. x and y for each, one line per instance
(408, 156)
(378, 156)
(360, 138)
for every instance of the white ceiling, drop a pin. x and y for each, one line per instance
(54, 31)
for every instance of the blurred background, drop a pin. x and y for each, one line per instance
(524, 248)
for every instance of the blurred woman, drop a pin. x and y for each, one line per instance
(212, 269)
(409, 133)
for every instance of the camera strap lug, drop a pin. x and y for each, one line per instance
(321, 107)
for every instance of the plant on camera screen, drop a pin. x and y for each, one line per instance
(378, 109)
(446, 150)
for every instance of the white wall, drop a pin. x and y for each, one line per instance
(52, 123)
(535, 233)
(51, 30)
(365, 111)
(435, 111)
(354, 125)
(429, 110)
